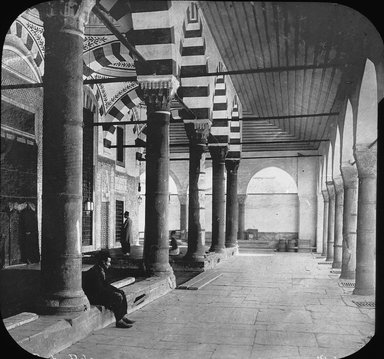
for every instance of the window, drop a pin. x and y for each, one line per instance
(119, 219)
(120, 143)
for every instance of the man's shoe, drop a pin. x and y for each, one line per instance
(123, 324)
(129, 321)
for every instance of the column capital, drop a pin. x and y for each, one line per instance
(183, 198)
(325, 195)
(366, 161)
(339, 185)
(241, 198)
(330, 189)
(349, 174)
(66, 15)
(218, 153)
(232, 165)
(197, 133)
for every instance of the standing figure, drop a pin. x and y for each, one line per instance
(174, 248)
(126, 234)
(99, 291)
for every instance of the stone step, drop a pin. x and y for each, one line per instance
(200, 281)
(19, 319)
(46, 335)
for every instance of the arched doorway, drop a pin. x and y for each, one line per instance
(272, 206)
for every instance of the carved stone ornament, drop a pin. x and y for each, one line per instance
(241, 198)
(331, 189)
(66, 15)
(232, 166)
(349, 174)
(366, 161)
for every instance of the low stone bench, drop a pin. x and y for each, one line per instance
(19, 319)
(123, 282)
(200, 281)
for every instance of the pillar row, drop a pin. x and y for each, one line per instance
(61, 262)
(325, 222)
(339, 209)
(366, 220)
(331, 220)
(348, 266)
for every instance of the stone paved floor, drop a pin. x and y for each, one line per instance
(278, 305)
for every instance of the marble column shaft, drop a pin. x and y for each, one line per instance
(232, 209)
(339, 209)
(348, 266)
(183, 199)
(62, 201)
(156, 243)
(197, 148)
(218, 154)
(366, 160)
(241, 198)
(331, 220)
(325, 222)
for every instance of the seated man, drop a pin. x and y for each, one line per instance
(174, 249)
(100, 292)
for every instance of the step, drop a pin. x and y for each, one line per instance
(46, 335)
(19, 319)
(200, 281)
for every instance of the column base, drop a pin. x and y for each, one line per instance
(194, 257)
(56, 304)
(217, 249)
(363, 291)
(336, 265)
(348, 275)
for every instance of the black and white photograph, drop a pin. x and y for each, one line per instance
(191, 180)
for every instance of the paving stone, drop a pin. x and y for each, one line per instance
(283, 338)
(273, 351)
(287, 315)
(232, 352)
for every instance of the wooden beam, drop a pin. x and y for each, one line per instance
(265, 70)
(266, 118)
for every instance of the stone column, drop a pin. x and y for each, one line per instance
(156, 243)
(348, 266)
(366, 160)
(339, 209)
(331, 220)
(196, 208)
(241, 198)
(183, 199)
(232, 209)
(325, 222)
(218, 154)
(62, 202)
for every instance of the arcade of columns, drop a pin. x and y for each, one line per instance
(349, 200)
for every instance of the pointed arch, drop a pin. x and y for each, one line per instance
(347, 137)
(366, 126)
(329, 175)
(337, 154)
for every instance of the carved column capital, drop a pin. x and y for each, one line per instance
(218, 153)
(66, 15)
(241, 198)
(232, 166)
(197, 133)
(366, 161)
(183, 198)
(330, 189)
(325, 195)
(349, 174)
(339, 185)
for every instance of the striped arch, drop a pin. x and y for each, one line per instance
(234, 151)
(18, 29)
(194, 90)
(220, 123)
(147, 26)
(121, 110)
(105, 55)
